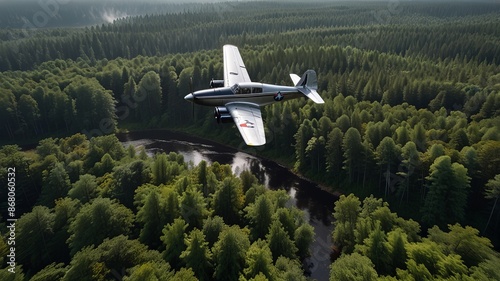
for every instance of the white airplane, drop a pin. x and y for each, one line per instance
(237, 99)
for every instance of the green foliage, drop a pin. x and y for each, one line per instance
(334, 155)
(429, 84)
(151, 270)
(387, 154)
(152, 216)
(353, 267)
(184, 275)
(101, 145)
(56, 185)
(51, 272)
(493, 192)
(104, 166)
(427, 254)
(84, 189)
(375, 247)
(259, 215)
(212, 227)
(259, 261)
(6, 275)
(111, 258)
(394, 249)
(34, 232)
(197, 255)
(487, 270)
(304, 237)
(228, 200)
(397, 246)
(173, 240)
(159, 169)
(94, 107)
(280, 242)
(247, 180)
(289, 269)
(148, 97)
(346, 213)
(489, 159)
(448, 191)
(96, 221)
(127, 178)
(463, 241)
(193, 208)
(230, 253)
(352, 152)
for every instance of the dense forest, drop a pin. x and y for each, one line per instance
(412, 114)
(105, 212)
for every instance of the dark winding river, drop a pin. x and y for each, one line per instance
(307, 196)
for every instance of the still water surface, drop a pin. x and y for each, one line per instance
(307, 196)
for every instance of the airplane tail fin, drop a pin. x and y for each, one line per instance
(308, 85)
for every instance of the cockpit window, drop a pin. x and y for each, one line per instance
(245, 90)
(236, 89)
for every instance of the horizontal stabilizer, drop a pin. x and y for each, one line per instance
(312, 94)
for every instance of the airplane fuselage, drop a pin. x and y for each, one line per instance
(238, 100)
(257, 93)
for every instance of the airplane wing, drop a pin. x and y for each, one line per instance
(248, 120)
(234, 68)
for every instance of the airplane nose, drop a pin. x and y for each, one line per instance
(189, 97)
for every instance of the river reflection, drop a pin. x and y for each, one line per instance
(307, 196)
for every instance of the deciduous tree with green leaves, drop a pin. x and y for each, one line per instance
(98, 220)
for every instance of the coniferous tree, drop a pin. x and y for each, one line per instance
(387, 154)
(334, 155)
(212, 227)
(228, 200)
(375, 247)
(159, 169)
(197, 255)
(259, 215)
(259, 261)
(29, 113)
(410, 161)
(173, 240)
(193, 208)
(492, 192)
(230, 253)
(352, 152)
(280, 242)
(151, 215)
(396, 244)
(447, 196)
(8, 112)
(303, 238)
(149, 97)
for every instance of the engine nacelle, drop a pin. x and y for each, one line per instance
(222, 115)
(216, 83)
